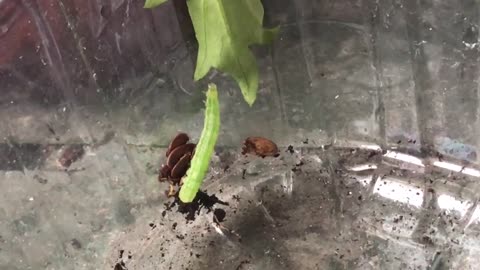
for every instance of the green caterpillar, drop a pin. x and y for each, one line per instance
(204, 149)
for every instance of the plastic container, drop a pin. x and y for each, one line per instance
(374, 106)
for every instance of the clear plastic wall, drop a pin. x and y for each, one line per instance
(374, 105)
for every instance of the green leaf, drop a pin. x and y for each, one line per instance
(153, 3)
(225, 29)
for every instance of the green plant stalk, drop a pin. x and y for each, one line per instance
(204, 149)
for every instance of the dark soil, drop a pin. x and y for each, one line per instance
(71, 154)
(120, 266)
(219, 215)
(191, 210)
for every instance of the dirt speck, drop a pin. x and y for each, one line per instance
(71, 154)
(427, 240)
(40, 180)
(76, 244)
(242, 264)
(397, 219)
(121, 251)
(219, 215)
(120, 266)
